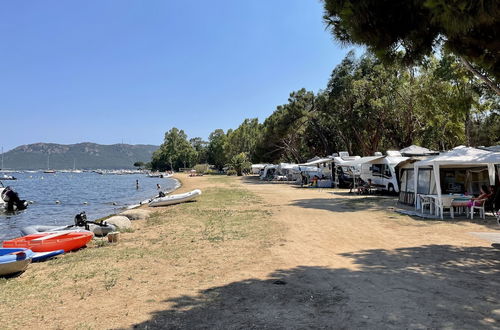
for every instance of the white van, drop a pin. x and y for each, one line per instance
(382, 171)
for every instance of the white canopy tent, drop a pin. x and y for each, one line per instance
(458, 157)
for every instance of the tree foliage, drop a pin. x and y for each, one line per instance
(366, 106)
(175, 152)
(411, 30)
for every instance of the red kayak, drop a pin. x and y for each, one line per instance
(43, 242)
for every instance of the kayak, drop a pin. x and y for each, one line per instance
(14, 261)
(42, 256)
(175, 199)
(44, 242)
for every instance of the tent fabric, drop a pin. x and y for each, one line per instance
(459, 156)
(462, 155)
(414, 150)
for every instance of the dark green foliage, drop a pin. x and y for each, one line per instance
(175, 152)
(216, 154)
(410, 30)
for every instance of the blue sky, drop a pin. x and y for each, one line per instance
(111, 70)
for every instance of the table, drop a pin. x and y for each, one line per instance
(446, 200)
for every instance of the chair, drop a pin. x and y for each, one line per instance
(479, 207)
(426, 200)
(442, 204)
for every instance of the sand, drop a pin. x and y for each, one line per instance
(311, 258)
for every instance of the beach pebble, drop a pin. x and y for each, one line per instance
(137, 214)
(120, 221)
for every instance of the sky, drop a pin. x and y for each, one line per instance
(112, 71)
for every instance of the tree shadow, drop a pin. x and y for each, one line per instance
(435, 286)
(336, 204)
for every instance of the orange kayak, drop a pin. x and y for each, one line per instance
(43, 242)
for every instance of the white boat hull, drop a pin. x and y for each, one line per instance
(175, 199)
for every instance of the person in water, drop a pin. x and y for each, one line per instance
(158, 186)
(136, 184)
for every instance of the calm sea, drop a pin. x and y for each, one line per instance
(97, 195)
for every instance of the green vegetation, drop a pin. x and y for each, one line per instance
(410, 30)
(367, 106)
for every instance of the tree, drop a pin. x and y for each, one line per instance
(174, 153)
(201, 148)
(139, 164)
(240, 163)
(243, 139)
(215, 153)
(410, 30)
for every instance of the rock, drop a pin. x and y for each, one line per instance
(120, 221)
(136, 214)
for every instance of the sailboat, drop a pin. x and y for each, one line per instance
(74, 167)
(48, 170)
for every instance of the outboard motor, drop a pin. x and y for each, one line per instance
(81, 220)
(11, 197)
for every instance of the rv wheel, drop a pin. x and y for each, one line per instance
(390, 188)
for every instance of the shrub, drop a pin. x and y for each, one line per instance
(201, 168)
(231, 172)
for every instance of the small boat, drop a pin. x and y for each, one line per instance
(44, 242)
(42, 256)
(155, 175)
(175, 199)
(81, 224)
(7, 177)
(14, 261)
(49, 171)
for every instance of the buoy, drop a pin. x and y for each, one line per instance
(85, 203)
(58, 202)
(31, 202)
(115, 203)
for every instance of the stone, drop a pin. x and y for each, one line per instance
(120, 221)
(136, 214)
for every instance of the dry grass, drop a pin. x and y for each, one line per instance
(191, 238)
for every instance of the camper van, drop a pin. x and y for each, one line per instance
(382, 171)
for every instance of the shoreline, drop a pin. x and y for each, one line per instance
(328, 258)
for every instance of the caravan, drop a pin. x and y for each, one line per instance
(381, 170)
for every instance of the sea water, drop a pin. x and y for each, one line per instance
(58, 197)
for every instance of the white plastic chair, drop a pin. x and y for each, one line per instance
(478, 207)
(426, 200)
(442, 204)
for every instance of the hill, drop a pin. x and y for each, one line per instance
(84, 155)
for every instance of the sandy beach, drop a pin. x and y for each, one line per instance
(257, 255)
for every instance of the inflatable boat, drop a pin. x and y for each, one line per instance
(81, 224)
(175, 199)
(14, 261)
(42, 256)
(44, 242)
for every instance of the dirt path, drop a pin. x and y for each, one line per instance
(252, 255)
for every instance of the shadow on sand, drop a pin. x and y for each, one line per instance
(436, 286)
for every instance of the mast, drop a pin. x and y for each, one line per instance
(1, 168)
(48, 162)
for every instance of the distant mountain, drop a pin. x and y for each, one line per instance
(84, 155)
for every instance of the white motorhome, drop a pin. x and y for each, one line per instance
(381, 170)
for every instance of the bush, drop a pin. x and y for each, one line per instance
(231, 172)
(201, 168)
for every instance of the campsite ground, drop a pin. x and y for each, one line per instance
(259, 255)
